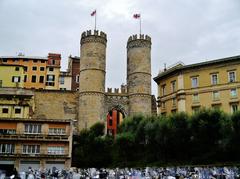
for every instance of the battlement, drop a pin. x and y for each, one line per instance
(93, 37)
(139, 37)
(89, 33)
(123, 90)
(136, 41)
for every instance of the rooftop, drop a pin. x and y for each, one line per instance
(178, 67)
(23, 57)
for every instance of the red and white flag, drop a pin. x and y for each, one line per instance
(94, 13)
(136, 16)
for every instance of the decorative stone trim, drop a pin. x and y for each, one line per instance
(90, 93)
(140, 73)
(97, 69)
(95, 37)
(140, 95)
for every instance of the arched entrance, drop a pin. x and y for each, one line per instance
(115, 117)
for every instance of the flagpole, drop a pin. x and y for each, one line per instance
(95, 20)
(140, 24)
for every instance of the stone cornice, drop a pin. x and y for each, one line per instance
(87, 93)
(140, 95)
(97, 69)
(145, 73)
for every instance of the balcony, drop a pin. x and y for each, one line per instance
(34, 137)
(43, 154)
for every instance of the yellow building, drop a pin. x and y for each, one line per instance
(27, 141)
(11, 75)
(40, 72)
(211, 84)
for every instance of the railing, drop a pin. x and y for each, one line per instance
(42, 154)
(41, 137)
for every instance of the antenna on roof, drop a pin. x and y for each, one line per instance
(20, 54)
(165, 66)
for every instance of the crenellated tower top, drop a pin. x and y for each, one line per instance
(139, 41)
(94, 36)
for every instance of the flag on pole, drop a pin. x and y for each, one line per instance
(136, 16)
(94, 13)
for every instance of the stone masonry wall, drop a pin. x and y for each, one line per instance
(55, 104)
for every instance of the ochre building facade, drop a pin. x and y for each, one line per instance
(211, 84)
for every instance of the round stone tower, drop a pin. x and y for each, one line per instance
(139, 74)
(92, 78)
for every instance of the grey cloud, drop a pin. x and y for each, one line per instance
(186, 30)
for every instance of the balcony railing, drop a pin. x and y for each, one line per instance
(38, 137)
(42, 154)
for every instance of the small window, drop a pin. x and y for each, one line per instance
(194, 82)
(174, 101)
(215, 95)
(5, 110)
(61, 80)
(174, 111)
(77, 79)
(50, 78)
(16, 79)
(41, 79)
(34, 68)
(233, 93)
(4, 60)
(214, 79)
(163, 90)
(25, 78)
(17, 110)
(51, 69)
(163, 104)
(173, 83)
(195, 97)
(42, 61)
(231, 76)
(17, 69)
(195, 109)
(35, 60)
(42, 68)
(25, 68)
(234, 107)
(34, 79)
(0, 83)
(216, 106)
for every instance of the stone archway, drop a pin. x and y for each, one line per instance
(115, 116)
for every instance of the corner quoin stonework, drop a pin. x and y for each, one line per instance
(94, 102)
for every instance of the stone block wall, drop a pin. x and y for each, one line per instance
(56, 105)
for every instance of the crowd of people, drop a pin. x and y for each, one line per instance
(131, 173)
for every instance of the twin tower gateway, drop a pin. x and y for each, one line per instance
(134, 98)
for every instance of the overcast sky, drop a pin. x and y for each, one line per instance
(182, 30)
